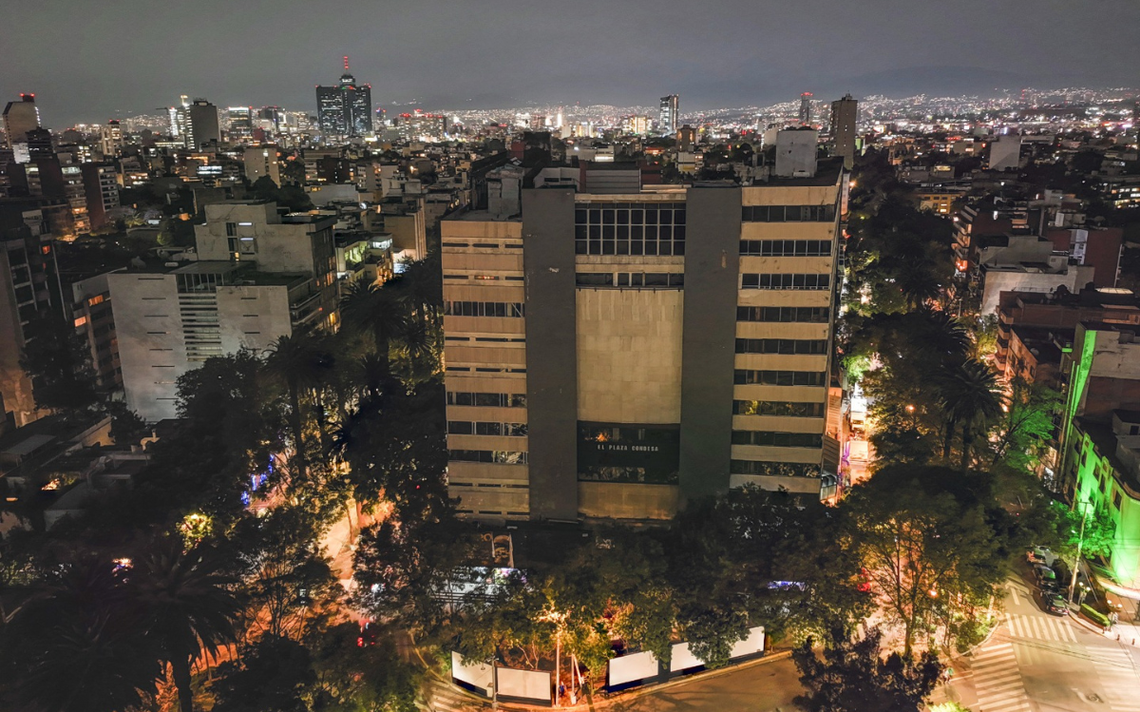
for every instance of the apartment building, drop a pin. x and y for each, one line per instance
(611, 354)
(259, 276)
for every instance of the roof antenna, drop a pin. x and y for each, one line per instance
(346, 63)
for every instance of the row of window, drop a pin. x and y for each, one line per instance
(812, 347)
(785, 248)
(485, 277)
(773, 439)
(478, 427)
(746, 377)
(498, 457)
(630, 240)
(485, 369)
(785, 281)
(782, 408)
(778, 469)
(488, 400)
(788, 213)
(630, 214)
(630, 279)
(511, 309)
(811, 315)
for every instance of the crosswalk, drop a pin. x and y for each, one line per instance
(1118, 676)
(1057, 630)
(997, 680)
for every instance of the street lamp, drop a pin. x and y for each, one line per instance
(1080, 544)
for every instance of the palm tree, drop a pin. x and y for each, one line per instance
(188, 606)
(380, 312)
(968, 393)
(78, 627)
(299, 361)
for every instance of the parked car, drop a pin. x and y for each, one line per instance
(1052, 586)
(1039, 555)
(1043, 573)
(1053, 603)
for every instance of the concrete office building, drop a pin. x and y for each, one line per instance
(198, 126)
(101, 187)
(260, 275)
(610, 355)
(20, 117)
(261, 161)
(844, 113)
(345, 109)
(1005, 153)
(805, 108)
(667, 116)
(29, 286)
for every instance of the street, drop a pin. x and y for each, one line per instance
(1036, 662)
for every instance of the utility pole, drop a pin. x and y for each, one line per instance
(1080, 543)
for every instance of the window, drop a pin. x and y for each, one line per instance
(498, 457)
(629, 228)
(231, 229)
(487, 400)
(743, 377)
(503, 309)
(788, 213)
(813, 315)
(766, 438)
(813, 347)
(785, 281)
(786, 248)
(636, 280)
(777, 469)
(781, 408)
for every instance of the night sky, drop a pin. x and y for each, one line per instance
(89, 61)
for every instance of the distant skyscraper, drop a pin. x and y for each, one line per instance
(20, 117)
(197, 124)
(345, 109)
(805, 108)
(667, 118)
(843, 115)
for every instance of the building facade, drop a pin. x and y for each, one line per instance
(609, 355)
(345, 109)
(844, 113)
(667, 115)
(260, 275)
(20, 117)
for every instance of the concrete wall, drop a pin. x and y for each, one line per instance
(712, 261)
(152, 349)
(619, 500)
(629, 355)
(551, 348)
(252, 317)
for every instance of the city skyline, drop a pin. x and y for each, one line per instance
(635, 48)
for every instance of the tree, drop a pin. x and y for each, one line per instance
(285, 574)
(78, 626)
(275, 674)
(968, 394)
(54, 356)
(933, 543)
(361, 677)
(300, 363)
(127, 428)
(188, 605)
(1020, 438)
(853, 677)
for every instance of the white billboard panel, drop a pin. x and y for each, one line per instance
(683, 658)
(524, 684)
(477, 675)
(632, 668)
(751, 645)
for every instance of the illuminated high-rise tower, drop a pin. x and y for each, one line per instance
(805, 108)
(345, 109)
(667, 118)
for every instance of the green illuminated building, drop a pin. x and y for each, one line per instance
(1102, 435)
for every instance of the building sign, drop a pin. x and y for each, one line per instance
(623, 452)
